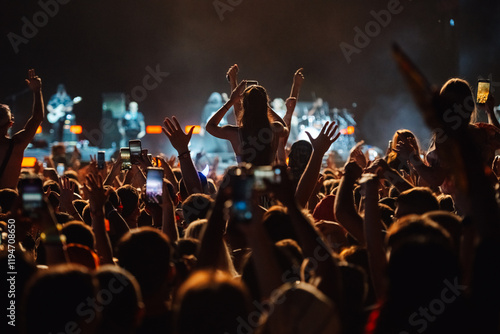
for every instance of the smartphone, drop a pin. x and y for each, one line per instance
(154, 185)
(252, 82)
(135, 149)
(101, 159)
(483, 90)
(30, 189)
(60, 169)
(242, 183)
(125, 156)
(262, 173)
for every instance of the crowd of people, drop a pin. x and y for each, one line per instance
(406, 243)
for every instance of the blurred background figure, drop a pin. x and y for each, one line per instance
(132, 125)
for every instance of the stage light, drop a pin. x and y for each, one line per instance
(39, 130)
(28, 162)
(76, 129)
(452, 22)
(350, 130)
(196, 130)
(153, 129)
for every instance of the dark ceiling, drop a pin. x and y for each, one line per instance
(106, 46)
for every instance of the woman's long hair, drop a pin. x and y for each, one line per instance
(256, 133)
(255, 104)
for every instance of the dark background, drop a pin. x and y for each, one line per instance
(105, 46)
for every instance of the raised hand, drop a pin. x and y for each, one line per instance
(232, 73)
(66, 196)
(378, 166)
(178, 139)
(93, 165)
(238, 91)
(95, 192)
(34, 82)
(298, 77)
(326, 137)
(357, 155)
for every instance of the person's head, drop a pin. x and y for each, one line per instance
(211, 302)
(59, 299)
(133, 107)
(129, 197)
(456, 99)
(146, 253)
(255, 103)
(77, 232)
(124, 309)
(195, 229)
(61, 89)
(7, 198)
(6, 119)
(418, 200)
(401, 135)
(278, 224)
(58, 150)
(299, 158)
(300, 308)
(196, 206)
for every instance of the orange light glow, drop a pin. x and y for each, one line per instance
(347, 131)
(28, 162)
(76, 129)
(196, 130)
(153, 129)
(39, 130)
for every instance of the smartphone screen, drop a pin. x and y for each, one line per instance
(125, 156)
(252, 82)
(483, 90)
(101, 159)
(31, 192)
(262, 173)
(154, 185)
(135, 147)
(242, 183)
(60, 169)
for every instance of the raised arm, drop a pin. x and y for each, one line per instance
(310, 241)
(97, 199)
(180, 141)
(35, 84)
(225, 132)
(374, 235)
(380, 167)
(320, 145)
(232, 77)
(345, 208)
(168, 225)
(298, 79)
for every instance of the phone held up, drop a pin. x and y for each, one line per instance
(244, 180)
(31, 192)
(154, 185)
(483, 91)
